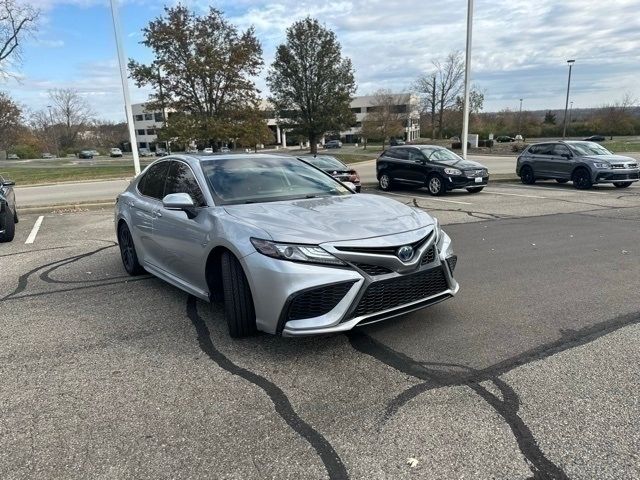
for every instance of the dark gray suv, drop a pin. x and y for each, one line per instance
(584, 163)
(8, 213)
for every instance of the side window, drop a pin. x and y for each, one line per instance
(533, 149)
(415, 155)
(560, 150)
(401, 153)
(152, 183)
(391, 153)
(181, 180)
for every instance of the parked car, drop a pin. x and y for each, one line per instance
(396, 141)
(595, 138)
(583, 163)
(145, 152)
(335, 168)
(224, 149)
(47, 155)
(160, 152)
(192, 150)
(289, 249)
(431, 166)
(95, 153)
(115, 152)
(86, 154)
(8, 212)
(13, 156)
(333, 144)
(207, 150)
(505, 139)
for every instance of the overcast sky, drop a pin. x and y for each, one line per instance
(519, 50)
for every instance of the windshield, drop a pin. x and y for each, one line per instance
(588, 148)
(325, 162)
(267, 179)
(442, 155)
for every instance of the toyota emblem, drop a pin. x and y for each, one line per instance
(405, 253)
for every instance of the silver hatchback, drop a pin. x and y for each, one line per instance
(289, 249)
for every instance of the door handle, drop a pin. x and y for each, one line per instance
(157, 213)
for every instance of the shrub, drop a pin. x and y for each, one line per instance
(25, 151)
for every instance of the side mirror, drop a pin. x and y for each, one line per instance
(566, 155)
(180, 201)
(8, 183)
(350, 186)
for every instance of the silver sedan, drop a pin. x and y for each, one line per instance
(289, 249)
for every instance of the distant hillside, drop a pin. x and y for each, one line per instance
(576, 113)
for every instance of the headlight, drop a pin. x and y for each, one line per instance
(295, 253)
(452, 171)
(601, 165)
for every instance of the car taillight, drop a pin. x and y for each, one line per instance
(353, 176)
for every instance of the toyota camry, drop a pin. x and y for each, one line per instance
(287, 248)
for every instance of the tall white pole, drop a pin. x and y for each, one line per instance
(125, 86)
(467, 79)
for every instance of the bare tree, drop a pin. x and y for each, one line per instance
(10, 116)
(70, 113)
(383, 120)
(16, 21)
(440, 88)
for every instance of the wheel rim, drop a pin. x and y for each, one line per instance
(581, 179)
(527, 175)
(434, 185)
(384, 182)
(126, 248)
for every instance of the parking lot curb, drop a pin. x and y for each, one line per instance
(67, 207)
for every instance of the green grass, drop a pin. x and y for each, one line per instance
(37, 175)
(618, 146)
(355, 157)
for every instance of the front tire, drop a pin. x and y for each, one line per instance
(238, 302)
(582, 179)
(527, 176)
(622, 184)
(128, 251)
(7, 223)
(435, 185)
(474, 189)
(385, 182)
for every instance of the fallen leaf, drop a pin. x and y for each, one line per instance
(412, 462)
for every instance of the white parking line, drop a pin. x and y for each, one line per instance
(428, 198)
(513, 194)
(560, 189)
(34, 231)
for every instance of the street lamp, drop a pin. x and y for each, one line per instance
(467, 78)
(519, 115)
(566, 104)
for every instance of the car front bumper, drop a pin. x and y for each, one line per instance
(617, 175)
(461, 181)
(357, 297)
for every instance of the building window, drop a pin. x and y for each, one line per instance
(142, 144)
(151, 131)
(357, 110)
(373, 109)
(148, 116)
(158, 117)
(139, 118)
(141, 131)
(399, 109)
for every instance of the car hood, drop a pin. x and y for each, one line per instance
(331, 219)
(462, 164)
(610, 158)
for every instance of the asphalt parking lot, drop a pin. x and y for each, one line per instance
(530, 372)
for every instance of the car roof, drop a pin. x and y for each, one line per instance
(230, 156)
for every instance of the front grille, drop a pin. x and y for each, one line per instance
(625, 166)
(398, 291)
(481, 172)
(429, 256)
(622, 176)
(372, 270)
(384, 250)
(318, 301)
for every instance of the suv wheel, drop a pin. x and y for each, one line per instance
(582, 179)
(622, 184)
(526, 175)
(7, 224)
(238, 302)
(385, 182)
(435, 185)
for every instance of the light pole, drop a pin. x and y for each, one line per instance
(467, 79)
(519, 116)
(125, 86)
(566, 104)
(53, 133)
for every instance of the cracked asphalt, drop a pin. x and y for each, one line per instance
(530, 372)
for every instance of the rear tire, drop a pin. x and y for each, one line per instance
(582, 179)
(385, 182)
(7, 224)
(474, 189)
(15, 216)
(435, 185)
(622, 184)
(527, 176)
(562, 180)
(238, 302)
(128, 251)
